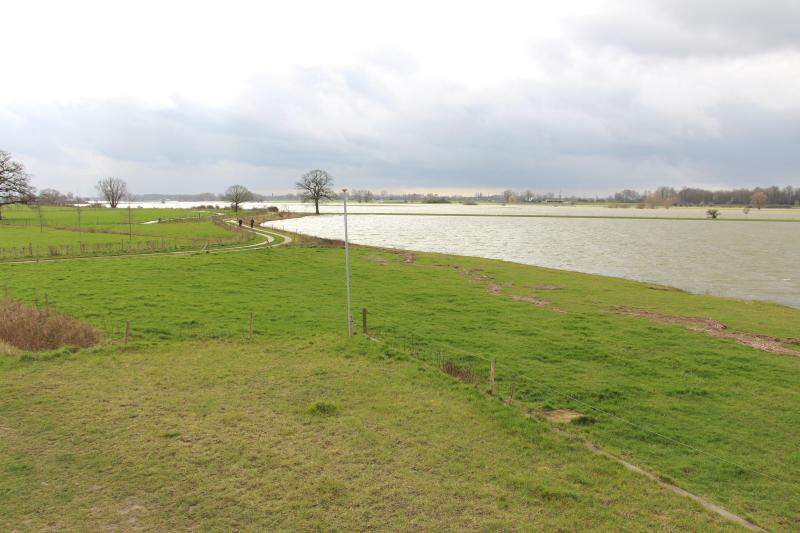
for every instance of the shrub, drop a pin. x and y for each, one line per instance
(29, 328)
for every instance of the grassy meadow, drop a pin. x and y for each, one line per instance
(27, 232)
(193, 424)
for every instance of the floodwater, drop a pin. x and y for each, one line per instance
(744, 259)
(533, 210)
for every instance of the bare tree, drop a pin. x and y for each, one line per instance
(759, 199)
(237, 195)
(15, 182)
(113, 190)
(316, 185)
(51, 197)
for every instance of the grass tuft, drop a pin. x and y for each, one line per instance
(323, 408)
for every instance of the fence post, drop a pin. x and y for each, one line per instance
(364, 321)
(127, 331)
(251, 325)
(491, 378)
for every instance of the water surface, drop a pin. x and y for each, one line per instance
(751, 260)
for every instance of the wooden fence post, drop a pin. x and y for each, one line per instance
(127, 331)
(491, 377)
(364, 321)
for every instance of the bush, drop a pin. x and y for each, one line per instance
(29, 328)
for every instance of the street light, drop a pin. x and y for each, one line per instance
(347, 267)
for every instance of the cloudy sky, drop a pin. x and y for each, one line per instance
(586, 97)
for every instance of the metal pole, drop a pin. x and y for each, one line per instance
(347, 267)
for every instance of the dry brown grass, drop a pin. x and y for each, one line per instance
(28, 328)
(459, 372)
(7, 349)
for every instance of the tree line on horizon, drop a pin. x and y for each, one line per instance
(317, 185)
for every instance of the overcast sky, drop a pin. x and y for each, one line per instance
(586, 97)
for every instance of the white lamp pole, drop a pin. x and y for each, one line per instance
(347, 268)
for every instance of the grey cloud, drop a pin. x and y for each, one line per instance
(543, 135)
(683, 28)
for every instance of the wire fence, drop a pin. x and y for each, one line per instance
(492, 377)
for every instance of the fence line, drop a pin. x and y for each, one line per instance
(466, 366)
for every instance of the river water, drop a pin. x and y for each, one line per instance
(743, 259)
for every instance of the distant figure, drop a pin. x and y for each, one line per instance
(241, 222)
(252, 222)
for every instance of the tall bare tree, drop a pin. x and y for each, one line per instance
(15, 182)
(237, 195)
(113, 190)
(315, 185)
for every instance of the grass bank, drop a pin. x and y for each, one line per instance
(294, 434)
(713, 415)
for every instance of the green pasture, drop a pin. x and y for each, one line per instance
(715, 417)
(309, 434)
(68, 231)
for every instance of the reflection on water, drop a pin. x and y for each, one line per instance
(752, 260)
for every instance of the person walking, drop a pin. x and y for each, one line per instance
(252, 222)
(241, 222)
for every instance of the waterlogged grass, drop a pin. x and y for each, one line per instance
(716, 417)
(309, 434)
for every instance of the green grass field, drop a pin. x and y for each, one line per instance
(97, 231)
(193, 407)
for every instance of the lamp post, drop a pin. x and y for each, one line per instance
(347, 267)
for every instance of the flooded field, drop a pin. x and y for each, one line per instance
(743, 259)
(516, 210)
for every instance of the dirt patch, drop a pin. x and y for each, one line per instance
(531, 299)
(459, 372)
(131, 505)
(714, 328)
(378, 260)
(691, 322)
(29, 328)
(545, 287)
(561, 416)
(408, 257)
(792, 341)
